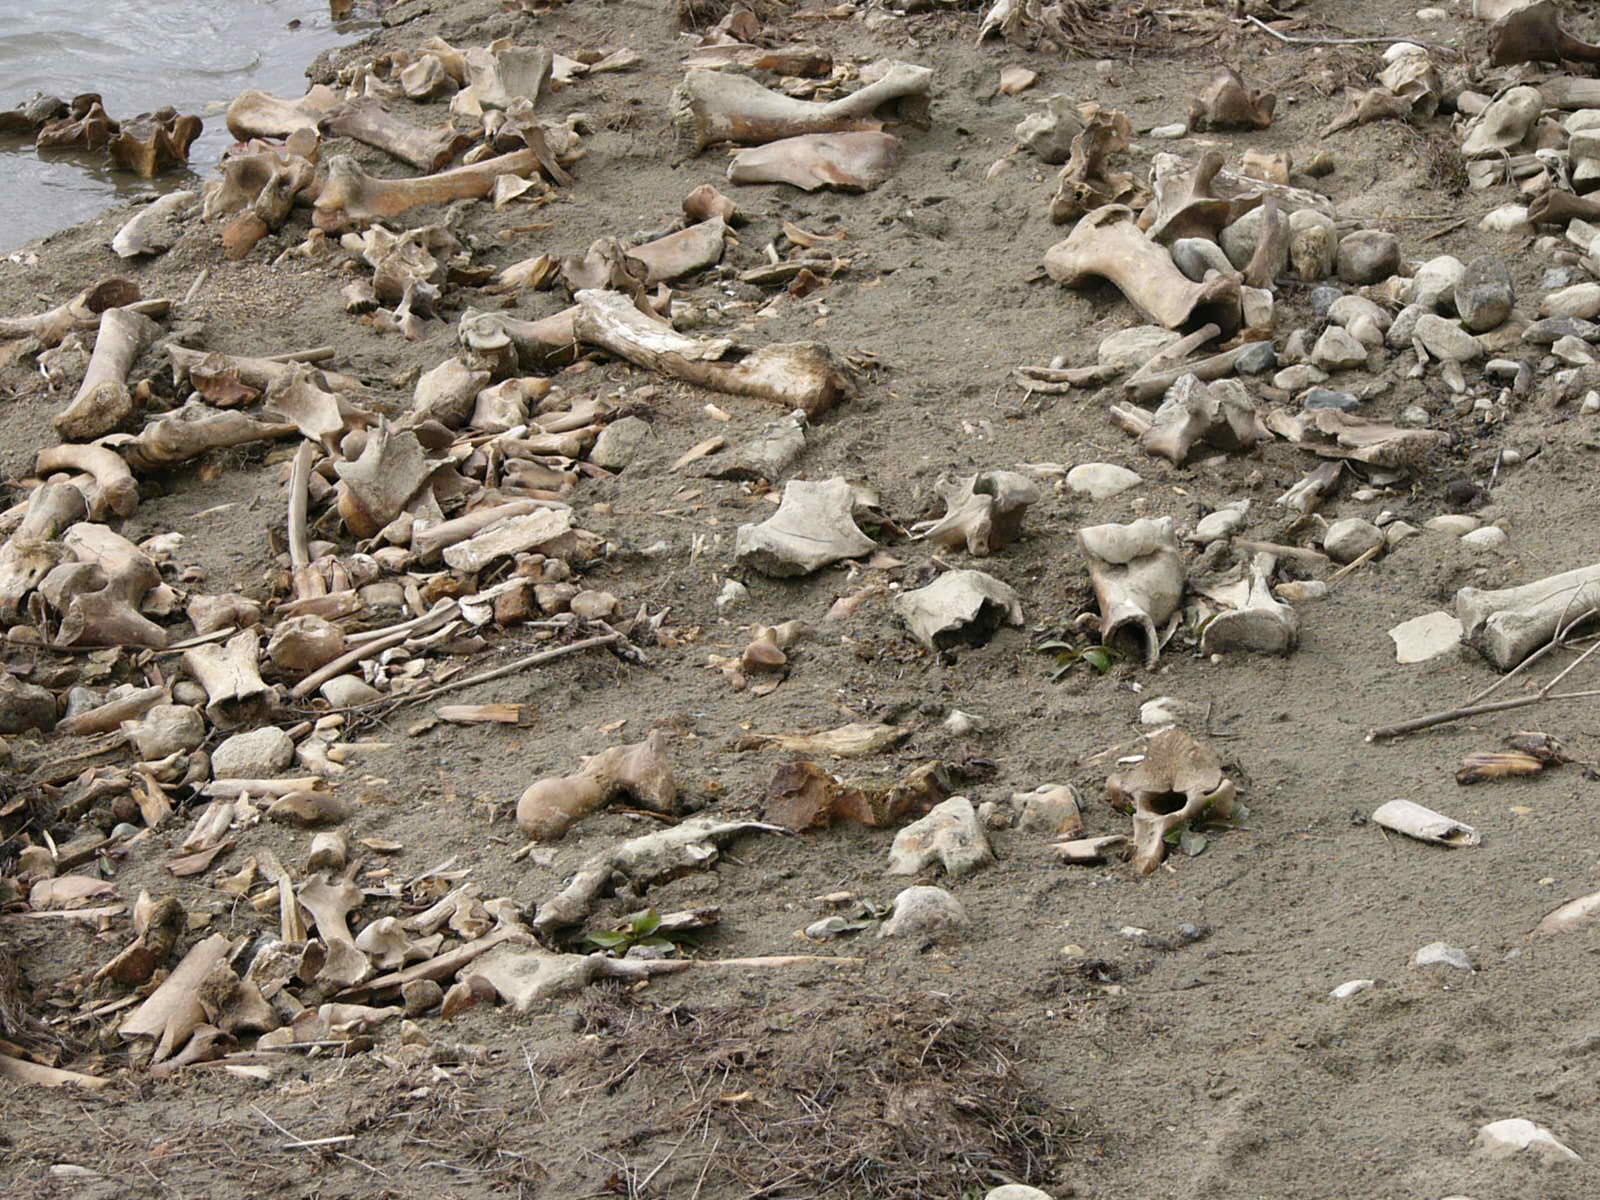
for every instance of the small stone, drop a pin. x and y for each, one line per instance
(1508, 218)
(1295, 348)
(1297, 590)
(1196, 256)
(1239, 240)
(1557, 277)
(1346, 309)
(592, 605)
(1348, 539)
(1446, 340)
(1299, 377)
(1454, 377)
(1432, 14)
(1318, 397)
(1552, 329)
(1367, 256)
(1404, 326)
(168, 729)
(1016, 1191)
(1442, 954)
(1581, 300)
(732, 595)
(1502, 1139)
(1502, 368)
(1100, 481)
(950, 835)
(1490, 537)
(924, 912)
(1454, 524)
(1434, 284)
(1425, 637)
(1336, 350)
(1224, 522)
(421, 996)
(1396, 532)
(1168, 133)
(1414, 416)
(1484, 295)
(259, 754)
(25, 706)
(1134, 347)
(342, 691)
(1258, 306)
(1324, 298)
(1573, 351)
(619, 443)
(1169, 710)
(1353, 987)
(1257, 359)
(1591, 404)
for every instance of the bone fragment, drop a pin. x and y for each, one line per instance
(367, 121)
(82, 312)
(257, 114)
(353, 199)
(1174, 766)
(640, 772)
(236, 697)
(1508, 624)
(847, 162)
(155, 227)
(103, 401)
(1137, 572)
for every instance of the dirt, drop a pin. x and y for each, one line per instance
(1095, 1033)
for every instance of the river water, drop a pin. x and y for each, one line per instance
(195, 55)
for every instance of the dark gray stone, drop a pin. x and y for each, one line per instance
(1485, 295)
(1319, 397)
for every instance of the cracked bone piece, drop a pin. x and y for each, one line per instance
(526, 976)
(847, 162)
(86, 126)
(155, 227)
(803, 375)
(1504, 125)
(1413, 820)
(983, 512)
(198, 368)
(1137, 572)
(766, 456)
(497, 78)
(1227, 104)
(1271, 254)
(1219, 414)
(714, 106)
(960, 608)
(1309, 492)
(514, 535)
(113, 493)
(330, 905)
(1333, 434)
(245, 177)
(376, 486)
(173, 1012)
(270, 208)
(1085, 182)
(151, 142)
(31, 553)
(813, 528)
(236, 697)
(1535, 35)
(322, 416)
(447, 393)
(350, 198)
(1177, 781)
(641, 772)
(103, 401)
(1049, 133)
(256, 114)
(1185, 202)
(1413, 77)
(682, 253)
(367, 121)
(82, 312)
(950, 835)
(1107, 244)
(705, 202)
(190, 431)
(1262, 625)
(1508, 624)
(1365, 107)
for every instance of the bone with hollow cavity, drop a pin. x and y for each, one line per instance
(1137, 572)
(236, 697)
(103, 401)
(151, 142)
(193, 429)
(1177, 781)
(82, 312)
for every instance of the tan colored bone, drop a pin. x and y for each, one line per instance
(1273, 248)
(1535, 34)
(330, 906)
(107, 615)
(1222, 416)
(427, 542)
(984, 511)
(848, 162)
(705, 202)
(352, 198)
(324, 417)
(376, 486)
(1365, 107)
(257, 373)
(114, 492)
(487, 335)
(86, 126)
(245, 176)
(498, 76)
(173, 1011)
(1137, 572)
(257, 114)
(1227, 104)
(270, 208)
(31, 552)
(1177, 781)
(1262, 625)
(1085, 182)
(236, 697)
(641, 772)
(80, 313)
(1185, 202)
(682, 253)
(1107, 244)
(194, 429)
(801, 375)
(103, 401)
(713, 106)
(367, 121)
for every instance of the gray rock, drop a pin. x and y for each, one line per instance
(1319, 397)
(1366, 331)
(1049, 132)
(1404, 326)
(1490, 537)
(168, 729)
(1195, 256)
(925, 912)
(1257, 359)
(1348, 539)
(1296, 348)
(421, 996)
(1336, 350)
(1223, 522)
(1258, 305)
(1434, 285)
(1557, 277)
(1324, 298)
(1573, 351)
(1484, 295)
(1552, 329)
(1414, 416)
(26, 706)
(619, 443)
(1346, 309)
(1240, 239)
(1442, 954)
(1446, 340)
(1134, 347)
(1313, 238)
(1298, 378)
(1581, 300)
(950, 835)
(1367, 256)
(259, 754)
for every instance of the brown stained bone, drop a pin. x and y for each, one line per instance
(1553, 207)
(202, 369)
(173, 1011)
(367, 121)
(245, 176)
(151, 142)
(712, 106)
(1085, 183)
(705, 202)
(607, 263)
(324, 417)
(82, 312)
(487, 336)
(269, 210)
(409, 260)
(103, 401)
(682, 253)
(330, 905)
(236, 698)
(1363, 108)
(33, 112)
(85, 127)
(803, 375)
(1185, 202)
(191, 431)
(1534, 34)
(1106, 244)
(31, 552)
(847, 162)
(498, 78)
(1137, 572)
(641, 772)
(1227, 104)
(258, 114)
(109, 614)
(1271, 250)
(376, 486)
(351, 198)
(1177, 781)
(114, 492)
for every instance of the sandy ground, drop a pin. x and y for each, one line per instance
(1049, 1044)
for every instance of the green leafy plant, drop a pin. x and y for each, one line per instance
(640, 929)
(1097, 658)
(1193, 843)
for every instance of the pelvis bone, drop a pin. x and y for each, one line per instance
(1107, 244)
(1177, 781)
(1137, 571)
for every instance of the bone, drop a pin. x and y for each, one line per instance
(1221, 415)
(1174, 766)
(86, 126)
(428, 541)
(1185, 202)
(330, 905)
(1107, 244)
(173, 1011)
(31, 553)
(813, 528)
(269, 209)
(641, 772)
(1508, 624)
(376, 486)
(960, 608)
(155, 227)
(682, 253)
(1262, 625)
(192, 430)
(1535, 35)
(1272, 251)
(847, 162)
(803, 375)
(498, 78)
(152, 142)
(1504, 124)
(351, 198)
(103, 401)
(780, 61)
(1363, 108)
(983, 512)
(712, 106)
(705, 202)
(236, 697)
(258, 114)
(196, 367)
(246, 176)
(324, 417)
(951, 835)
(1227, 104)
(367, 121)
(1085, 182)
(114, 492)
(1137, 572)
(82, 312)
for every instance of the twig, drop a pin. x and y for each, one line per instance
(194, 288)
(1473, 710)
(1366, 557)
(314, 355)
(445, 610)
(1345, 41)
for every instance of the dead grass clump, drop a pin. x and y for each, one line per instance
(1444, 167)
(879, 1098)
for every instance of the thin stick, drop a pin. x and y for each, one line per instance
(778, 960)
(314, 355)
(1472, 710)
(1344, 41)
(194, 288)
(445, 610)
(1558, 639)
(1366, 557)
